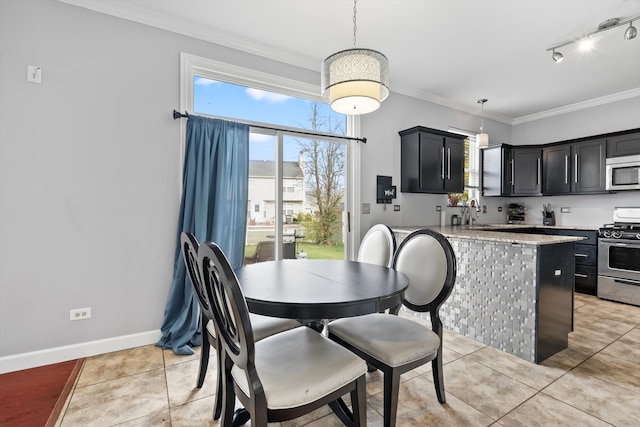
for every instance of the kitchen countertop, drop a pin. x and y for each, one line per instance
(485, 232)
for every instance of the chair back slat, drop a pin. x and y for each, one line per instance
(427, 259)
(230, 312)
(190, 245)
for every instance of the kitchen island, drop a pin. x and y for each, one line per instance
(513, 291)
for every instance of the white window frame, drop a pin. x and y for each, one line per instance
(192, 65)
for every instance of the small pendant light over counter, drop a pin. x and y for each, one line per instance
(483, 138)
(355, 80)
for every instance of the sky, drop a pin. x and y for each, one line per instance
(233, 101)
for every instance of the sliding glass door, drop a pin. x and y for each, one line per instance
(298, 174)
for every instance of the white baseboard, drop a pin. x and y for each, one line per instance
(48, 356)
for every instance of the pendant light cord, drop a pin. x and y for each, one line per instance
(355, 27)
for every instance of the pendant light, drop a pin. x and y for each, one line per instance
(483, 138)
(355, 80)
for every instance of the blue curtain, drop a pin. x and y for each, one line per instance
(214, 208)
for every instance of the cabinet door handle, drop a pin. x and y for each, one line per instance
(582, 255)
(575, 178)
(581, 275)
(513, 175)
(442, 156)
(566, 169)
(448, 163)
(539, 173)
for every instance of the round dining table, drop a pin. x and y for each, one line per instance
(317, 289)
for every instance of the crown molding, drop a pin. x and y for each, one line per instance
(608, 99)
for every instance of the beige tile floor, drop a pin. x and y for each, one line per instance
(595, 382)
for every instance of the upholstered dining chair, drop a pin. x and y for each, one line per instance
(263, 326)
(280, 377)
(378, 246)
(396, 344)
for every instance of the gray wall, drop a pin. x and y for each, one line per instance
(90, 172)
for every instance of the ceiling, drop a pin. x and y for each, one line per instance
(450, 52)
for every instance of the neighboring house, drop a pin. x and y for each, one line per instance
(262, 207)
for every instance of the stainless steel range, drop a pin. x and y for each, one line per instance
(619, 257)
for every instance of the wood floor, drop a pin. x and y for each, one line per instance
(34, 397)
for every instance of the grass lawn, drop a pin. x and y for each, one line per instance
(312, 250)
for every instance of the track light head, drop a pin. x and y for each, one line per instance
(631, 32)
(557, 56)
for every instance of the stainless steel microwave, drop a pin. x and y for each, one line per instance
(623, 173)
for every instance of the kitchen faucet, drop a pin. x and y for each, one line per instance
(470, 212)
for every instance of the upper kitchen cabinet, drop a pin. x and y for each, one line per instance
(432, 161)
(574, 168)
(623, 145)
(511, 171)
(526, 171)
(496, 171)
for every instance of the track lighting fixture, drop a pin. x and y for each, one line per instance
(631, 32)
(557, 56)
(586, 41)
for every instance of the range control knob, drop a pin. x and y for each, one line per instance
(606, 233)
(617, 234)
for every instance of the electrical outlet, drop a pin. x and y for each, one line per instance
(499, 208)
(396, 208)
(438, 208)
(484, 208)
(80, 313)
(565, 210)
(366, 208)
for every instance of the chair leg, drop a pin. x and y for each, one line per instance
(438, 376)
(436, 364)
(358, 402)
(204, 359)
(228, 394)
(391, 390)
(217, 409)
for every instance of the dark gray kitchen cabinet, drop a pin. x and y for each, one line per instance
(511, 171)
(623, 145)
(432, 161)
(496, 171)
(526, 171)
(575, 168)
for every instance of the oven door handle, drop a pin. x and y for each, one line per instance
(627, 282)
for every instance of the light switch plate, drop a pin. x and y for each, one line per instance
(34, 74)
(565, 210)
(366, 208)
(396, 208)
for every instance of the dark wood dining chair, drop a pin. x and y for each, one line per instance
(264, 326)
(280, 377)
(378, 246)
(396, 344)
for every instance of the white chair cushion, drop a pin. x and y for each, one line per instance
(391, 339)
(263, 326)
(375, 249)
(424, 262)
(300, 366)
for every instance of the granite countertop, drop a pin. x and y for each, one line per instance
(480, 232)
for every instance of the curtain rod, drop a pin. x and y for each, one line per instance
(178, 115)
